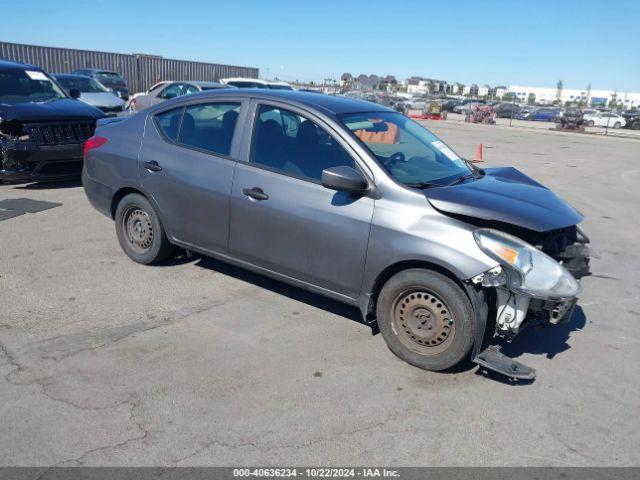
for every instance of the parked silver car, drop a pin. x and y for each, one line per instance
(166, 91)
(351, 200)
(91, 92)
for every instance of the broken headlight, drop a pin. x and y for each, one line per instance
(531, 271)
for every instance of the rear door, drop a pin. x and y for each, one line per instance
(283, 219)
(186, 164)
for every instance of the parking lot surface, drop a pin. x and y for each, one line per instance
(106, 362)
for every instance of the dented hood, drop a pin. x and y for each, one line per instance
(506, 195)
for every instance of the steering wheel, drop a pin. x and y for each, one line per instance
(397, 157)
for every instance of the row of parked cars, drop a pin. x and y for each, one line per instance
(592, 117)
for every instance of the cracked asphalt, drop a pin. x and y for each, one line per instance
(106, 362)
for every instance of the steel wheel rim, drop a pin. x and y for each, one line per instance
(138, 229)
(422, 321)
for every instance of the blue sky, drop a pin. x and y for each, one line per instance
(496, 42)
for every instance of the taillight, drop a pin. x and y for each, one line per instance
(91, 143)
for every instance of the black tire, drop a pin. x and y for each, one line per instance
(140, 231)
(591, 123)
(617, 125)
(415, 329)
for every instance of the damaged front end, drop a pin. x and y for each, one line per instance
(42, 150)
(535, 282)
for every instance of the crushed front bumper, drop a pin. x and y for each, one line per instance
(513, 309)
(22, 161)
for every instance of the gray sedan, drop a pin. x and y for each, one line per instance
(351, 200)
(167, 90)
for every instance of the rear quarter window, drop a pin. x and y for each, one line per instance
(169, 123)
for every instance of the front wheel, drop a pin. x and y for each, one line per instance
(617, 125)
(426, 319)
(140, 231)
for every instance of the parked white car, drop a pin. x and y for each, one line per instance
(167, 90)
(256, 83)
(604, 119)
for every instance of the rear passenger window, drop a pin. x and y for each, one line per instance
(169, 123)
(209, 126)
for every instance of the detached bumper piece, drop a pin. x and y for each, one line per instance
(492, 359)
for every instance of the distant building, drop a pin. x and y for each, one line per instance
(470, 90)
(346, 80)
(484, 91)
(500, 91)
(420, 85)
(457, 88)
(547, 95)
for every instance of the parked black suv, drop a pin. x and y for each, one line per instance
(112, 80)
(42, 129)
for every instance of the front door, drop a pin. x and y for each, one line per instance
(186, 165)
(283, 219)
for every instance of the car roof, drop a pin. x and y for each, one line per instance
(331, 104)
(254, 80)
(8, 64)
(205, 84)
(70, 75)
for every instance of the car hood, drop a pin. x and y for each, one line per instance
(63, 109)
(506, 195)
(101, 99)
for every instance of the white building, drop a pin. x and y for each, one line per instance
(500, 91)
(415, 85)
(594, 97)
(457, 88)
(470, 89)
(484, 90)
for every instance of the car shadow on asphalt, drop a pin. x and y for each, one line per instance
(546, 340)
(536, 340)
(51, 185)
(281, 288)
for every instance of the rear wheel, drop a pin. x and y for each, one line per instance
(591, 123)
(140, 231)
(426, 319)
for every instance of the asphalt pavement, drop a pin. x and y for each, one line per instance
(106, 362)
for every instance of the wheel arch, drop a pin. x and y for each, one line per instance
(120, 194)
(370, 299)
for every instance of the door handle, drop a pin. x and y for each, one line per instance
(255, 193)
(152, 166)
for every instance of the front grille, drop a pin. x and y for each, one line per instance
(60, 133)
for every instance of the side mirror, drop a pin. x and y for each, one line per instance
(344, 179)
(74, 93)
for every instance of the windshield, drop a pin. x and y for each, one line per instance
(83, 84)
(410, 153)
(110, 77)
(23, 86)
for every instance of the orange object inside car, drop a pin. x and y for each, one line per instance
(390, 135)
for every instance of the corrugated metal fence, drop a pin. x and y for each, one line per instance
(140, 71)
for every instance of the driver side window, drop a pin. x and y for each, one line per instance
(294, 145)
